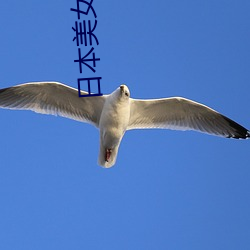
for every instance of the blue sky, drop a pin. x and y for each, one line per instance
(169, 189)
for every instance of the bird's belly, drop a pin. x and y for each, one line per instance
(111, 138)
(113, 124)
(111, 131)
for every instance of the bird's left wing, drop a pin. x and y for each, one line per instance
(182, 114)
(53, 98)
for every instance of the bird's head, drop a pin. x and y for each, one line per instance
(124, 91)
(121, 94)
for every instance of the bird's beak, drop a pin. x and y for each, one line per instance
(122, 88)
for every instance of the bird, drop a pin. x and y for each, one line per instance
(116, 113)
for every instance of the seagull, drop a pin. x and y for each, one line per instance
(116, 113)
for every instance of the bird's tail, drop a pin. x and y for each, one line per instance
(103, 160)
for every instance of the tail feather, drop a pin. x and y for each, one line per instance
(101, 159)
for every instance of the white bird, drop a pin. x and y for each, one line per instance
(116, 113)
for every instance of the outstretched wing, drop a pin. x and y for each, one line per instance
(53, 98)
(182, 114)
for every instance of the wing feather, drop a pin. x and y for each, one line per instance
(53, 98)
(182, 114)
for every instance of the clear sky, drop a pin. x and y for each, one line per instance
(168, 189)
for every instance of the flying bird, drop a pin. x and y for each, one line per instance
(116, 113)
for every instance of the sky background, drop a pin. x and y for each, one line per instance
(168, 189)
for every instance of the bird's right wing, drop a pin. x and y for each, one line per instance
(53, 98)
(182, 114)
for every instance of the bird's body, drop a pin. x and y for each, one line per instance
(113, 124)
(116, 113)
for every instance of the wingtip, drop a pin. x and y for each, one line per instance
(239, 131)
(248, 134)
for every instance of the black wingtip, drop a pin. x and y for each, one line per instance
(248, 134)
(239, 131)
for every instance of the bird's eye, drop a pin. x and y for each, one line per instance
(126, 93)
